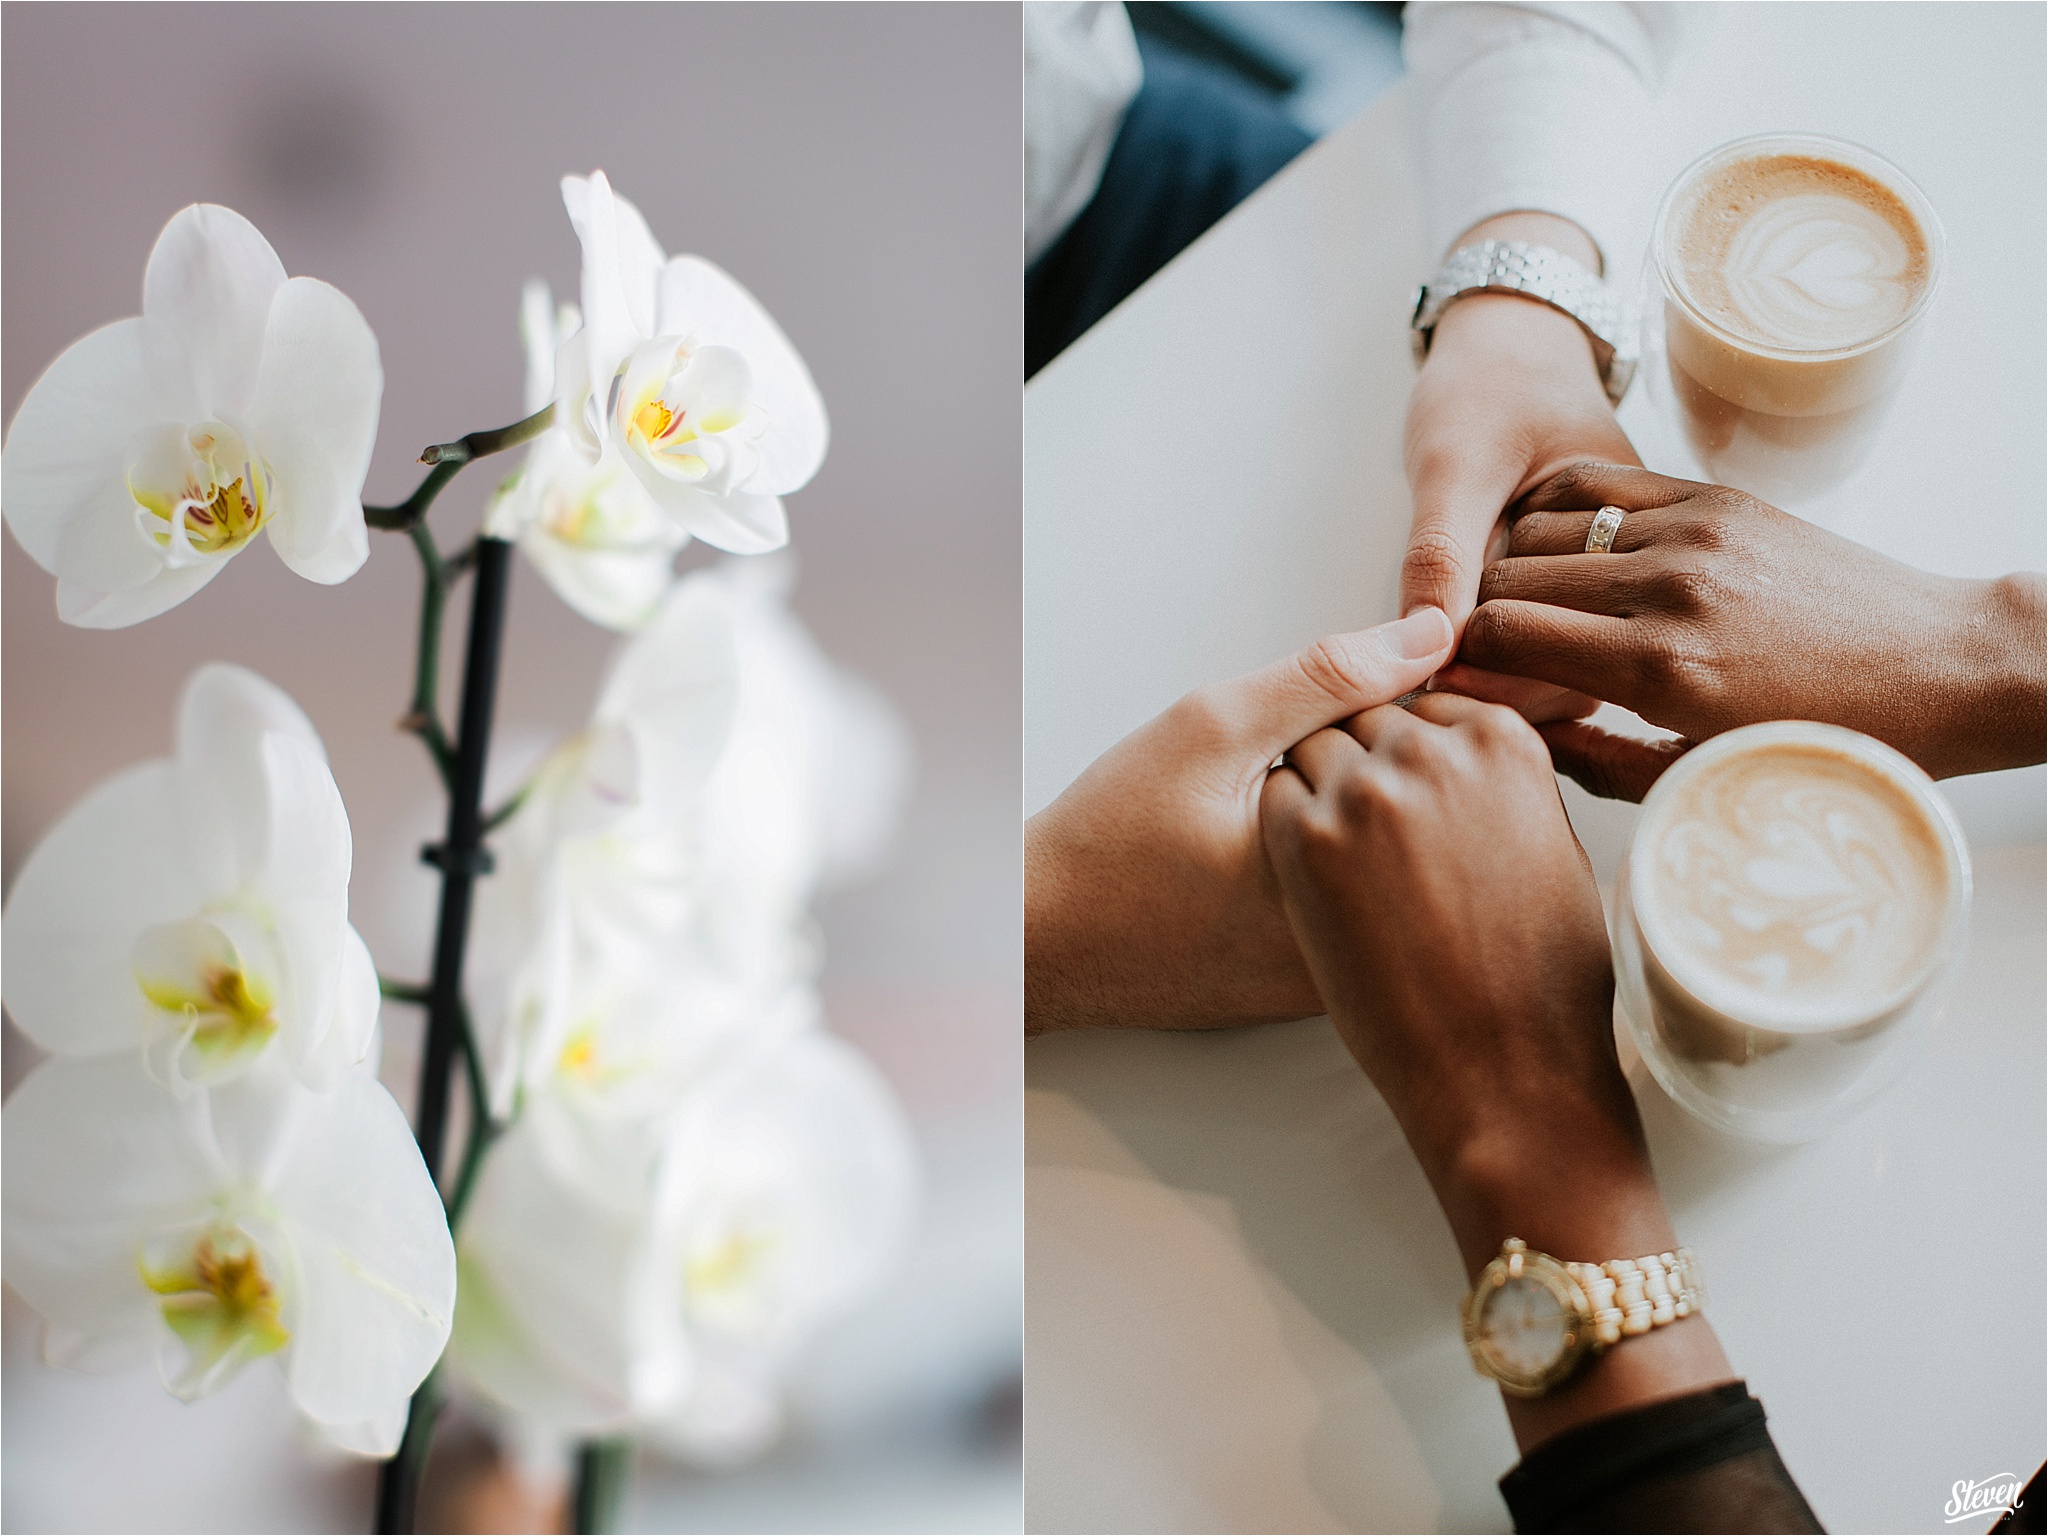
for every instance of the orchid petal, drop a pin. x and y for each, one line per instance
(738, 522)
(378, 1437)
(699, 299)
(223, 777)
(205, 298)
(97, 1157)
(351, 1029)
(621, 269)
(554, 1255)
(108, 578)
(676, 688)
(314, 420)
(103, 875)
(785, 1191)
(374, 1264)
(619, 589)
(537, 337)
(67, 448)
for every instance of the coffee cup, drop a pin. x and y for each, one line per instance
(1792, 274)
(1783, 925)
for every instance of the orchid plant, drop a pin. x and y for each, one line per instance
(672, 1175)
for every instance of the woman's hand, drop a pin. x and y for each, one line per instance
(1451, 923)
(1716, 610)
(1148, 900)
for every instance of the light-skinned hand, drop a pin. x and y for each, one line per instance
(1148, 898)
(1509, 395)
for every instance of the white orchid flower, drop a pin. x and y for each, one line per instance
(808, 790)
(589, 529)
(153, 450)
(600, 856)
(656, 1280)
(196, 907)
(682, 374)
(255, 1219)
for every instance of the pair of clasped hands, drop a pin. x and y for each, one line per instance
(1410, 870)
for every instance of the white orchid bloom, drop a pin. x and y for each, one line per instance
(254, 1219)
(589, 529)
(153, 450)
(196, 907)
(598, 863)
(808, 790)
(666, 1280)
(682, 374)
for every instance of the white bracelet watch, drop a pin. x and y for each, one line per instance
(1535, 272)
(1531, 1319)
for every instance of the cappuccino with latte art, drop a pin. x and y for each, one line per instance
(1793, 271)
(1791, 898)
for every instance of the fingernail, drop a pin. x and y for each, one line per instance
(1423, 633)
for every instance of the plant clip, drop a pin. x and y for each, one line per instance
(467, 861)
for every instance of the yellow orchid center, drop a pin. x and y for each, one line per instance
(226, 1009)
(200, 492)
(655, 420)
(220, 1303)
(579, 1057)
(726, 1266)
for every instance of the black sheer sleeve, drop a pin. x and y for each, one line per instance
(1701, 1462)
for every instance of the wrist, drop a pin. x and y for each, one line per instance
(1998, 647)
(1580, 1189)
(1513, 337)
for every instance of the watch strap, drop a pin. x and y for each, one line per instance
(1632, 1296)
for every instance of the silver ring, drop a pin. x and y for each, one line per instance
(1600, 537)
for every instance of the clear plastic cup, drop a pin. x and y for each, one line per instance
(1785, 1069)
(1785, 423)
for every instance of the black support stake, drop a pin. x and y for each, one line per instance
(460, 858)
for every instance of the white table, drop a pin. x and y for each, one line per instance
(1240, 1293)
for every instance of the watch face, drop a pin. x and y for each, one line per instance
(1523, 1328)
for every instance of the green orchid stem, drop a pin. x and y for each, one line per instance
(447, 460)
(424, 718)
(483, 1130)
(507, 811)
(604, 1470)
(401, 991)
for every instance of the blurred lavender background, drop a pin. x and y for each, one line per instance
(857, 167)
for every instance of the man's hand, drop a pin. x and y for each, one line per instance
(1510, 394)
(1148, 899)
(1451, 922)
(1716, 610)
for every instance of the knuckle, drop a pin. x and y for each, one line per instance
(1358, 797)
(1673, 664)
(1434, 561)
(1570, 483)
(1491, 639)
(1332, 667)
(1690, 588)
(1714, 534)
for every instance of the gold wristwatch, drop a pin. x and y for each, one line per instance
(1532, 1319)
